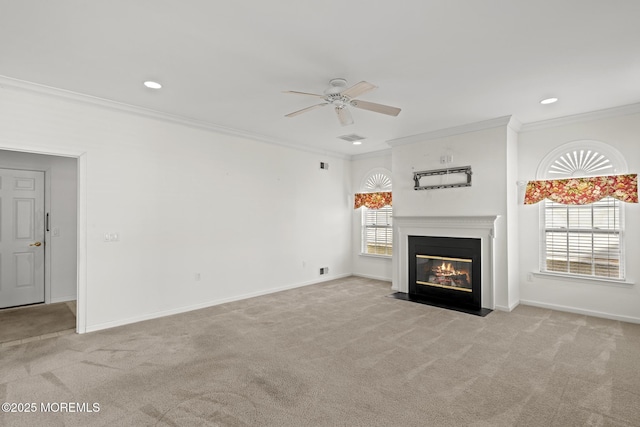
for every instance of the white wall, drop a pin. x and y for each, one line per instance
(371, 266)
(61, 177)
(486, 152)
(248, 216)
(618, 301)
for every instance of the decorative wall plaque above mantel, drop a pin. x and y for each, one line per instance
(442, 178)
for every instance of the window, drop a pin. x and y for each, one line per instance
(583, 240)
(377, 231)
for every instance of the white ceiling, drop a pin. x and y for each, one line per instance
(444, 62)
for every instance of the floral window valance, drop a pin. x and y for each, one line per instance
(582, 191)
(372, 200)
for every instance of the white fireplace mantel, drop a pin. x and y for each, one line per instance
(476, 227)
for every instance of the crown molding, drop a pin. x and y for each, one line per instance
(456, 130)
(514, 124)
(25, 86)
(623, 110)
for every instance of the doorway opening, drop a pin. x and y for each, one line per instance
(60, 243)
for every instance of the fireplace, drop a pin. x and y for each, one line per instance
(479, 228)
(445, 271)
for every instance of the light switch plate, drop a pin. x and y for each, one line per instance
(111, 237)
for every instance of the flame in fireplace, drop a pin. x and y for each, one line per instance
(447, 270)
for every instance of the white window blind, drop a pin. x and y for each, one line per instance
(583, 240)
(377, 231)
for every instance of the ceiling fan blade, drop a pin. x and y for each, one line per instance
(304, 110)
(295, 92)
(344, 115)
(378, 108)
(358, 89)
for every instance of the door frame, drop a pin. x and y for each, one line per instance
(47, 252)
(81, 244)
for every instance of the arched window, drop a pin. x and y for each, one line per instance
(582, 240)
(377, 232)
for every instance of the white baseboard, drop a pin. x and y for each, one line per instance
(63, 299)
(158, 314)
(368, 276)
(575, 310)
(508, 308)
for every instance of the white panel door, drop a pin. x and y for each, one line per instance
(21, 237)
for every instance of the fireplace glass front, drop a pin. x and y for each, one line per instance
(444, 272)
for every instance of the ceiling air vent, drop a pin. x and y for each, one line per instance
(352, 137)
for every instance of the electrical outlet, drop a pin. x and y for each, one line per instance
(446, 159)
(324, 165)
(324, 270)
(196, 277)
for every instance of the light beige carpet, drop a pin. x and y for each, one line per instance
(35, 320)
(339, 353)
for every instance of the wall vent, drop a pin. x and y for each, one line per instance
(352, 137)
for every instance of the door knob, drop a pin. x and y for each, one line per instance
(36, 244)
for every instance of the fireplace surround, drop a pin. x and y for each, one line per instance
(479, 228)
(445, 270)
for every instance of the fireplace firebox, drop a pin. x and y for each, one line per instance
(445, 271)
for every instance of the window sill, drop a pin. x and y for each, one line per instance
(376, 256)
(598, 280)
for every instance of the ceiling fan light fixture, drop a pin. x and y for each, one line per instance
(340, 98)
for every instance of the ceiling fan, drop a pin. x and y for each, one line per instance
(340, 97)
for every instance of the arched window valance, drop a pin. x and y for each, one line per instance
(376, 191)
(586, 174)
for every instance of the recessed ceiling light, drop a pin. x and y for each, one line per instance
(357, 142)
(152, 85)
(548, 101)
